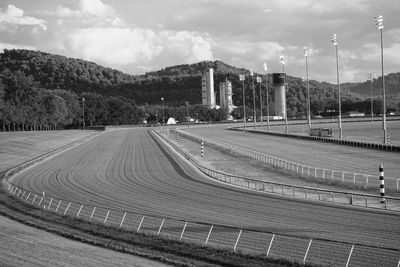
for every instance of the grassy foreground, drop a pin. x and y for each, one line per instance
(148, 246)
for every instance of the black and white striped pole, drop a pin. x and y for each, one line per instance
(382, 183)
(202, 148)
(177, 137)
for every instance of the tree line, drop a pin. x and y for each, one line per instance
(44, 91)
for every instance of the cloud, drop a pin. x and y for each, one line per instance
(187, 46)
(15, 16)
(116, 46)
(15, 46)
(81, 9)
(127, 46)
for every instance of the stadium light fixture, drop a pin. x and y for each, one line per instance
(335, 44)
(242, 78)
(379, 26)
(266, 89)
(305, 53)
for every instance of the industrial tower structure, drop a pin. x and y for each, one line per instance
(207, 88)
(225, 96)
(278, 83)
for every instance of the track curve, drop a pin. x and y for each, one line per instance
(128, 170)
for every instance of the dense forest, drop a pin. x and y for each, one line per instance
(45, 91)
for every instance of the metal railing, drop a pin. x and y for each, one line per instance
(359, 179)
(244, 240)
(310, 193)
(238, 239)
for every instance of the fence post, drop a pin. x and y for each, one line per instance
(67, 208)
(108, 212)
(79, 211)
(183, 230)
(351, 252)
(28, 196)
(382, 183)
(40, 202)
(122, 221)
(209, 233)
(237, 240)
(140, 224)
(161, 225)
(270, 244)
(308, 248)
(33, 200)
(59, 203)
(51, 201)
(91, 216)
(177, 137)
(202, 148)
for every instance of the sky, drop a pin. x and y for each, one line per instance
(137, 36)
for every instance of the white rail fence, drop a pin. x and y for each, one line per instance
(310, 193)
(360, 179)
(257, 240)
(245, 240)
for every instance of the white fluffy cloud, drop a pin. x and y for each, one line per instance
(15, 16)
(81, 9)
(122, 46)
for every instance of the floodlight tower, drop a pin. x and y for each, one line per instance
(379, 26)
(241, 78)
(254, 98)
(335, 44)
(259, 80)
(305, 53)
(282, 61)
(266, 89)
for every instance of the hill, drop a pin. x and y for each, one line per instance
(108, 89)
(392, 86)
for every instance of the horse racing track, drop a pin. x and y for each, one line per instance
(129, 178)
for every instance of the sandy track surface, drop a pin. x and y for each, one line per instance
(27, 246)
(22, 245)
(125, 170)
(316, 154)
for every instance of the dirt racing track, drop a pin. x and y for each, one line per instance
(129, 170)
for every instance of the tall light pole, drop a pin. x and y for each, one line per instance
(370, 77)
(259, 80)
(241, 78)
(335, 44)
(163, 119)
(187, 113)
(305, 53)
(379, 26)
(83, 112)
(266, 89)
(254, 98)
(282, 61)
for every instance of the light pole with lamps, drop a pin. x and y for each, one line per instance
(335, 44)
(370, 77)
(254, 98)
(379, 26)
(187, 113)
(266, 89)
(282, 61)
(83, 112)
(163, 119)
(241, 78)
(259, 80)
(305, 53)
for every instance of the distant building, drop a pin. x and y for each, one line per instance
(279, 86)
(354, 114)
(225, 96)
(207, 89)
